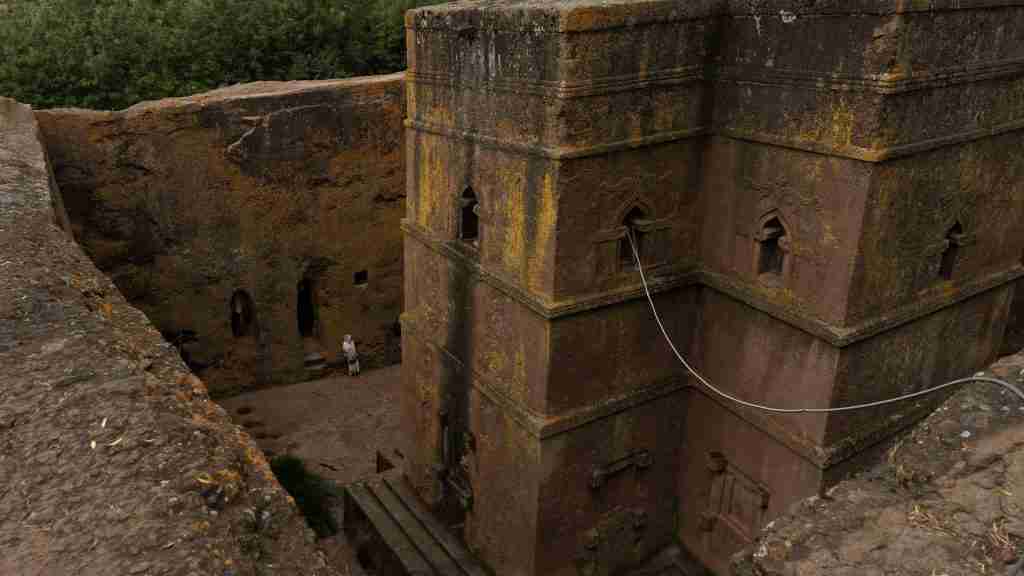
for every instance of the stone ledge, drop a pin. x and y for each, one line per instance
(543, 426)
(561, 16)
(555, 153)
(113, 459)
(884, 84)
(873, 155)
(668, 278)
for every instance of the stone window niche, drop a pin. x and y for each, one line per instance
(772, 245)
(241, 313)
(953, 242)
(361, 278)
(633, 225)
(469, 217)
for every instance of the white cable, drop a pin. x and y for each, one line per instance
(727, 396)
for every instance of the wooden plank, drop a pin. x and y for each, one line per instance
(388, 530)
(424, 541)
(466, 561)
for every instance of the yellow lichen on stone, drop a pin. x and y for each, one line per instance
(201, 526)
(829, 236)
(494, 360)
(515, 221)
(664, 117)
(505, 126)
(813, 171)
(230, 481)
(834, 127)
(842, 123)
(622, 434)
(427, 200)
(520, 379)
(547, 216)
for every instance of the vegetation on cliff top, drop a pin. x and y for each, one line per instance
(110, 54)
(312, 493)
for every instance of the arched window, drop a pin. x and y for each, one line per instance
(633, 221)
(241, 313)
(469, 217)
(954, 238)
(772, 255)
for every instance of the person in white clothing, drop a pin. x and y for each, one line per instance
(348, 348)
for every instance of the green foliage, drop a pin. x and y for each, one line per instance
(110, 54)
(312, 493)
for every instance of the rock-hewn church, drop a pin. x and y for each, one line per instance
(826, 197)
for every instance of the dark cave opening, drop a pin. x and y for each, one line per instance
(241, 313)
(306, 309)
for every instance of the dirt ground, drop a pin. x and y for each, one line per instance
(335, 425)
(947, 500)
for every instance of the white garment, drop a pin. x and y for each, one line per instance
(348, 348)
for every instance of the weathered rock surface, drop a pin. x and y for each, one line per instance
(827, 202)
(113, 460)
(947, 499)
(1013, 338)
(255, 225)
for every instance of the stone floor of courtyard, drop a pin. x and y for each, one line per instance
(335, 425)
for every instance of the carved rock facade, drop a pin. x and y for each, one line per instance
(254, 225)
(828, 201)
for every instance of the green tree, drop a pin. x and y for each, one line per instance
(114, 53)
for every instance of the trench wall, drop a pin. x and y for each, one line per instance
(113, 459)
(254, 225)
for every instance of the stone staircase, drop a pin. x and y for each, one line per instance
(393, 533)
(315, 364)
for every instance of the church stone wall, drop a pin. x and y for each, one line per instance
(977, 185)
(893, 175)
(822, 206)
(817, 198)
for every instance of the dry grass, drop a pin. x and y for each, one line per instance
(922, 518)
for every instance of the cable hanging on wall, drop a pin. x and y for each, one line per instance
(717, 391)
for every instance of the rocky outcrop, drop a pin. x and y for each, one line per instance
(113, 460)
(945, 499)
(254, 225)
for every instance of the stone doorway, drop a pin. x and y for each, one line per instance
(458, 449)
(306, 308)
(309, 327)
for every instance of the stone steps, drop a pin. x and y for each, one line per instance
(394, 534)
(671, 561)
(315, 364)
